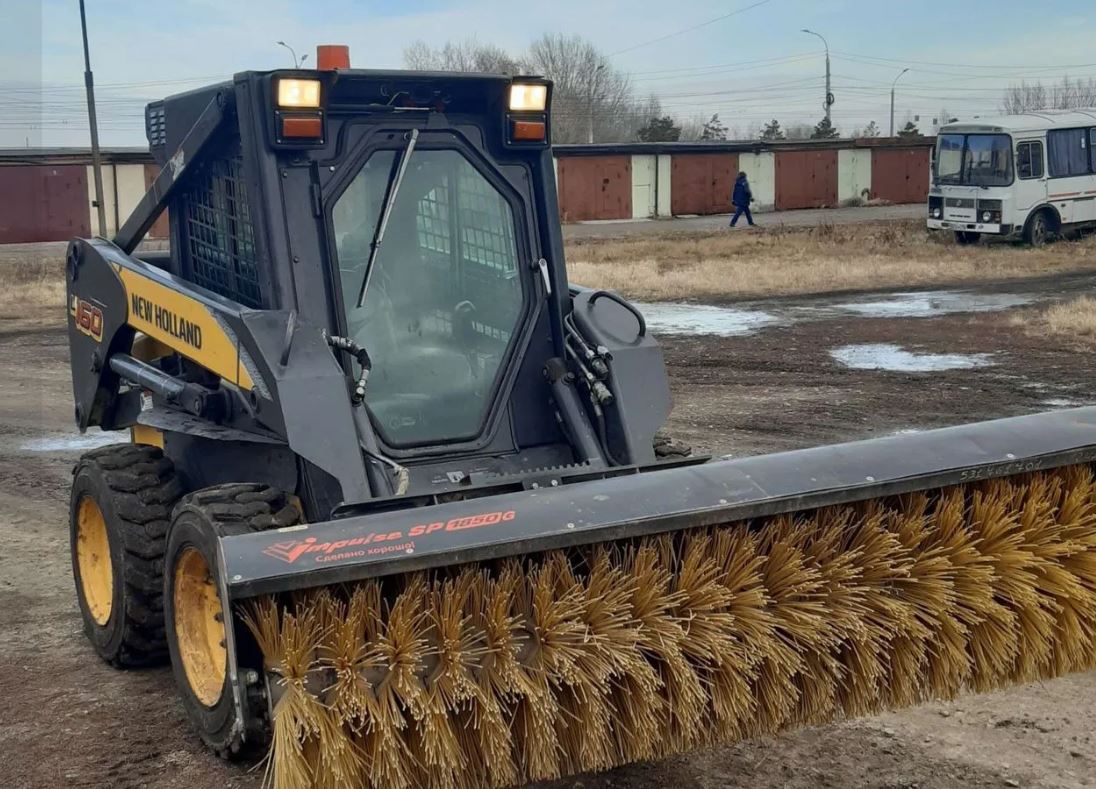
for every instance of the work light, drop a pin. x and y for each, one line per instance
(298, 93)
(525, 97)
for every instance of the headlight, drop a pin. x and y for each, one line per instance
(986, 216)
(299, 93)
(528, 98)
(936, 213)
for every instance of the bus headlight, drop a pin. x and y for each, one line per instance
(986, 216)
(936, 213)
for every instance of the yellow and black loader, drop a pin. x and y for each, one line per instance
(396, 505)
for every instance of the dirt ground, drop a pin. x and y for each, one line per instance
(68, 720)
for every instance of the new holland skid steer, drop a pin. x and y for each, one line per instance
(391, 503)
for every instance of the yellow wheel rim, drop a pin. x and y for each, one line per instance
(199, 627)
(93, 559)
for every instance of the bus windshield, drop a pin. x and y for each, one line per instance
(974, 159)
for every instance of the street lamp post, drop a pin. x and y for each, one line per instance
(93, 123)
(829, 94)
(900, 73)
(296, 63)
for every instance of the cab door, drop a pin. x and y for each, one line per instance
(1030, 189)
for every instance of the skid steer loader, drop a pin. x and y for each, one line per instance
(391, 503)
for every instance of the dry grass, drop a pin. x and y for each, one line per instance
(32, 276)
(1072, 319)
(710, 266)
(782, 261)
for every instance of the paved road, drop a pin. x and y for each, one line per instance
(813, 216)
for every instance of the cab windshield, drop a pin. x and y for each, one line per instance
(974, 159)
(444, 299)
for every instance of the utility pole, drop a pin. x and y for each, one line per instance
(829, 100)
(900, 73)
(96, 163)
(594, 81)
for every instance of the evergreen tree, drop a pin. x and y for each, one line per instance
(659, 129)
(772, 131)
(910, 130)
(824, 130)
(714, 129)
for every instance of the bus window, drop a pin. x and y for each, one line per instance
(949, 158)
(1068, 151)
(1029, 159)
(974, 159)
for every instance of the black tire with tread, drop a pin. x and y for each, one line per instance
(1037, 232)
(200, 519)
(136, 489)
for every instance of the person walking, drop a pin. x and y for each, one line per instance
(741, 197)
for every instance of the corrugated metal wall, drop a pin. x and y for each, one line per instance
(806, 179)
(52, 202)
(900, 175)
(595, 187)
(43, 203)
(702, 183)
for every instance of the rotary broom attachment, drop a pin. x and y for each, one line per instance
(589, 658)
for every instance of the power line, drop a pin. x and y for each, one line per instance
(907, 61)
(689, 29)
(760, 61)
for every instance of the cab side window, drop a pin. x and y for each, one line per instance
(1029, 159)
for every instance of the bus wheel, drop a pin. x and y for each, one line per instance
(966, 237)
(1036, 231)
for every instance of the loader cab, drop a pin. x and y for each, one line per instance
(365, 297)
(436, 189)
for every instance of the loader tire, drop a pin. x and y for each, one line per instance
(122, 498)
(194, 616)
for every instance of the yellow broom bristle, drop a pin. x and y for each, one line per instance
(594, 657)
(289, 643)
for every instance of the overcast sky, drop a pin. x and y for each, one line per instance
(750, 66)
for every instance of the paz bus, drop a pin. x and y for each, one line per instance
(1030, 176)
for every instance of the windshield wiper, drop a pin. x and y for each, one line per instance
(393, 189)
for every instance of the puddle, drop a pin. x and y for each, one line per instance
(929, 304)
(671, 318)
(62, 442)
(699, 319)
(1062, 402)
(894, 358)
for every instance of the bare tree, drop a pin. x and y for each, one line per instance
(1066, 95)
(1073, 94)
(468, 56)
(593, 100)
(799, 131)
(692, 129)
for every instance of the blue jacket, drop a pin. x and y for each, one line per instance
(742, 194)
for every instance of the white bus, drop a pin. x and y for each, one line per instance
(1029, 176)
